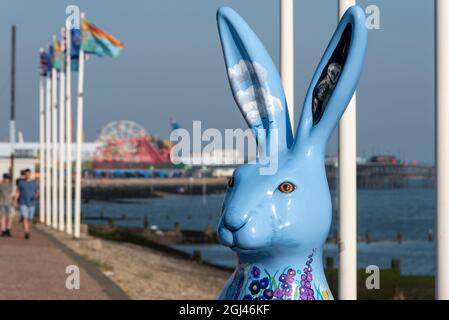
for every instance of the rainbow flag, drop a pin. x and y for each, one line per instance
(57, 55)
(97, 41)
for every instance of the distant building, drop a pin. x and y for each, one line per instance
(31, 150)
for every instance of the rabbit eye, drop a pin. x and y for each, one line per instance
(231, 182)
(286, 187)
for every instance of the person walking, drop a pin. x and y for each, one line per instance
(26, 195)
(6, 209)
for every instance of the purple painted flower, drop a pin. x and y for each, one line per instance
(290, 279)
(288, 291)
(303, 277)
(309, 277)
(268, 294)
(283, 277)
(254, 287)
(284, 285)
(255, 272)
(278, 293)
(304, 296)
(264, 283)
(291, 272)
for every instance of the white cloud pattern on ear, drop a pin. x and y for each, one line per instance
(255, 101)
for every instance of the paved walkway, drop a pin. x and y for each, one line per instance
(35, 269)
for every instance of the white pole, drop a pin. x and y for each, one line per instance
(68, 133)
(55, 147)
(48, 104)
(442, 147)
(79, 137)
(61, 187)
(347, 160)
(41, 145)
(287, 56)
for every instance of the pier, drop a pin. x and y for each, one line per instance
(369, 176)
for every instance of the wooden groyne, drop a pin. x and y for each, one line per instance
(103, 189)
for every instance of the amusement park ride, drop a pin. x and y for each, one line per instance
(125, 142)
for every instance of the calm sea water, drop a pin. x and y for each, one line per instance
(381, 213)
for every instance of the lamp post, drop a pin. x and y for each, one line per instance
(287, 64)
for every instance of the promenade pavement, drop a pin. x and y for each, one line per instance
(36, 269)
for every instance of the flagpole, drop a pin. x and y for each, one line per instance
(68, 132)
(55, 146)
(347, 164)
(287, 56)
(79, 132)
(41, 142)
(61, 188)
(48, 104)
(12, 122)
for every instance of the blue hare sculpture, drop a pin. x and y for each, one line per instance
(278, 223)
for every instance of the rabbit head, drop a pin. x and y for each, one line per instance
(292, 207)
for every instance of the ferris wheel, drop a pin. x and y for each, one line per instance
(123, 130)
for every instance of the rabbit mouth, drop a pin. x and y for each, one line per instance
(236, 240)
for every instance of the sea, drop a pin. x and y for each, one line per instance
(399, 224)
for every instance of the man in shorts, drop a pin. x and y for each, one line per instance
(27, 193)
(6, 209)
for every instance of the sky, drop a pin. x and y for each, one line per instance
(172, 66)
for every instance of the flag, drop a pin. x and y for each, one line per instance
(57, 55)
(97, 41)
(45, 64)
(75, 48)
(50, 57)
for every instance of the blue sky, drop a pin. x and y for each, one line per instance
(172, 65)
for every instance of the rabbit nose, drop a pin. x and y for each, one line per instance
(234, 219)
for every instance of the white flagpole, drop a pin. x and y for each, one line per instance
(442, 147)
(287, 56)
(48, 104)
(79, 137)
(347, 164)
(41, 143)
(55, 147)
(68, 132)
(61, 187)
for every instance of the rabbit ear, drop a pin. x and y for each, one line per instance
(335, 79)
(254, 79)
